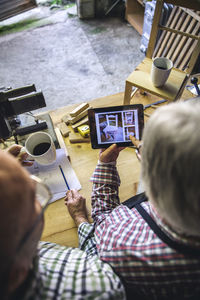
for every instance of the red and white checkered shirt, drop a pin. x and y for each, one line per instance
(130, 246)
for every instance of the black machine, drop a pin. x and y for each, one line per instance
(14, 102)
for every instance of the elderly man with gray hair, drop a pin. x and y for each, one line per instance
(152, 241)
(30, 269)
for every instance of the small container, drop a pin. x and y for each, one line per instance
(84, 130)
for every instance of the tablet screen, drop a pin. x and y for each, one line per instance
(115, 125)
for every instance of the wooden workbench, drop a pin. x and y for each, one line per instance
(59, 226)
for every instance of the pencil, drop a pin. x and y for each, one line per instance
(64, 177)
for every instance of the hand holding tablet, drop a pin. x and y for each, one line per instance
(114, 125)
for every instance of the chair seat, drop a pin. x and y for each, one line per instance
(141, 77)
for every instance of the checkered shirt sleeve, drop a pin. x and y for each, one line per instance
(105, 191)
(87, 240)
(69, 273)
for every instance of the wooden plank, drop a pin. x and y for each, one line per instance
(79, 117)
(61, 141)
(77, 138)
(82, 122)
(79, 109)
(64, 129)
(179, 32)
(135, 14)
(136, 20)
(67, 119)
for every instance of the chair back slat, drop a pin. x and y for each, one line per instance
(192, 58)
(165, 36)
(184, 20)
(180, 38)
(173, 37)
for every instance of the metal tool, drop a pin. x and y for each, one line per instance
(155, 103)
(194, 81)
(14, 102)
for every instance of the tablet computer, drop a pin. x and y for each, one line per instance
(115, 124)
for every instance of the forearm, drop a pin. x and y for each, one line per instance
(86, 237)
(105, 191)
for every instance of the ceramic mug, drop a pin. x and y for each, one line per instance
(161, 68)
(40, 147)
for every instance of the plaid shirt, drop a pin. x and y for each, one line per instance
(70, 273)
(128, 244)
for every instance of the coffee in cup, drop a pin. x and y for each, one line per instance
(40, 147)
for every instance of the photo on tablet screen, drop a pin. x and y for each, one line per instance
(115, 125)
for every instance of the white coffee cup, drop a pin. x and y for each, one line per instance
(161, 68)
(40, 147)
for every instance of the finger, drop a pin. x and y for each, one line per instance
(135, 142)
(101, 151)
(23, 156)
(14, 149)
(77, 195)
(71, 195)
(27, 163)
(121, 148)
(68, 196)
(74, 193)
(109, 151)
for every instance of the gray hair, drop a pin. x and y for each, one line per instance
(171, 165)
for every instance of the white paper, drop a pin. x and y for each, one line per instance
(51, 175)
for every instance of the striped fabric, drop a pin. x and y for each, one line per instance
(124, 240)
(70, 273)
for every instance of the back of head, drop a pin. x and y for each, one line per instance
(171, 165)
(15, 209)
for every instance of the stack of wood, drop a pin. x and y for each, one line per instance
(72, 122)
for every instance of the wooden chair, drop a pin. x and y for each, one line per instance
(179, 41)
(112, 120)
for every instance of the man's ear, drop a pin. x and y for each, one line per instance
(17, 276)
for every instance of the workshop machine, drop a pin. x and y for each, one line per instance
(16, 117)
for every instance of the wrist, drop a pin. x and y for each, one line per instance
(79, 220)
(113, 163)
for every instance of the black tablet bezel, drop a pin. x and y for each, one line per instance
(92, 123)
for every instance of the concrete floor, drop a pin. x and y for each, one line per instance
(69, 59)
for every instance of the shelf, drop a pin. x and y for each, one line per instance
(136, 20)
(135, 14)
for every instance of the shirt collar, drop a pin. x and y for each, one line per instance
(169, 231)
